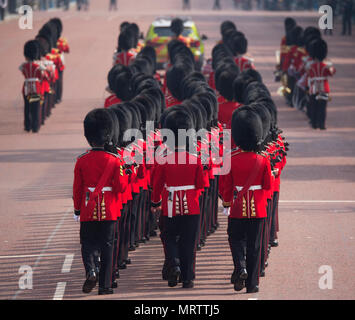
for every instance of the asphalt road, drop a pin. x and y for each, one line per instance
(38, 234)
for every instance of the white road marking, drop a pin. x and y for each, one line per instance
(67, 263)
(49, 240)
(32, 255)
(59, 291)
(316, 201)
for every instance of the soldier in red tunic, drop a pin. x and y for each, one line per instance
(176, 189)
(98, 181)
(245, 193)
(34, 74)
(317, 83)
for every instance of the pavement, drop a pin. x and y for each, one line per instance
(38, 236)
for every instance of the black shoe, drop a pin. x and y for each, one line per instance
(90, 282)
(198, 247)
(122, 265)
(153, 233)
(132, 248)
(105, 291)
(253, 289)
(117, 274)
(173, 276)
(115, 284)
(266, 264)
(188, 284)
(128, 261)
(274, 243)
(239, 283)
(234, 276)
(262, 273)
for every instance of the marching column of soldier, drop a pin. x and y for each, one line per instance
(123, 196)
(43, 72)
(304, 71)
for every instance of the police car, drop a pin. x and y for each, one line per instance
(159, 35)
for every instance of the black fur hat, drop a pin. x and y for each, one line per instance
(239, 44)
(296, 36)
(265, 117)
(58, 24)
(318, 49)
(175, 119)
(289, 23)
(124, 25)
(125, 122)
(98, 127)
(174, 78)
(126, 40)
(224, 82)
(31, 50)
(120, 79)
(226, 25)
(45, 46)
(141, 65)
(116, 128)
(247, 129)
(177, 26)
(150, 53)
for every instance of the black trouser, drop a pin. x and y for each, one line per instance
(317, 112)
(244, 236)
(32, 115)
(97, 240)
(274, 218)
(124, 232)
(183, 250)
(347, 24)
(59, 87)
(133, 220)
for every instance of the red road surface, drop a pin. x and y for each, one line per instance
(317, 208)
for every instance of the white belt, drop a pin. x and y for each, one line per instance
(31, 79)
(104, 189)
(172, 190)
(252, 188)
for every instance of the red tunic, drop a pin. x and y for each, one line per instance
(111, 100)
(181, 183)
(124, 57)
(254, 201)
(244, 63)
(170, 100)
(225, 111)
(87, 172)
(34, 73)
(317, 77)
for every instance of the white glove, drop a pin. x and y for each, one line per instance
(226, 211)
(76, 218)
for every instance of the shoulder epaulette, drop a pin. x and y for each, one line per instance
(83, 154)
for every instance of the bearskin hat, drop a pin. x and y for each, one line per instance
(115, 130)
(247, 129)
(31, 50)
(45, 46)
(133, 27)
(125, 40)
(197, 114)
(124, 25)
(177, 26)
(125, 122)
(227, 25)
(149, 52)
(58, 24)
(49, 31)
(224, 82)
(239, 44)
(141, 65)
(289, 23)
(265, 117)
(318, 49)
(119, 78)
(174, 78)
(178, 119)
(296, 36)
(98, 127)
